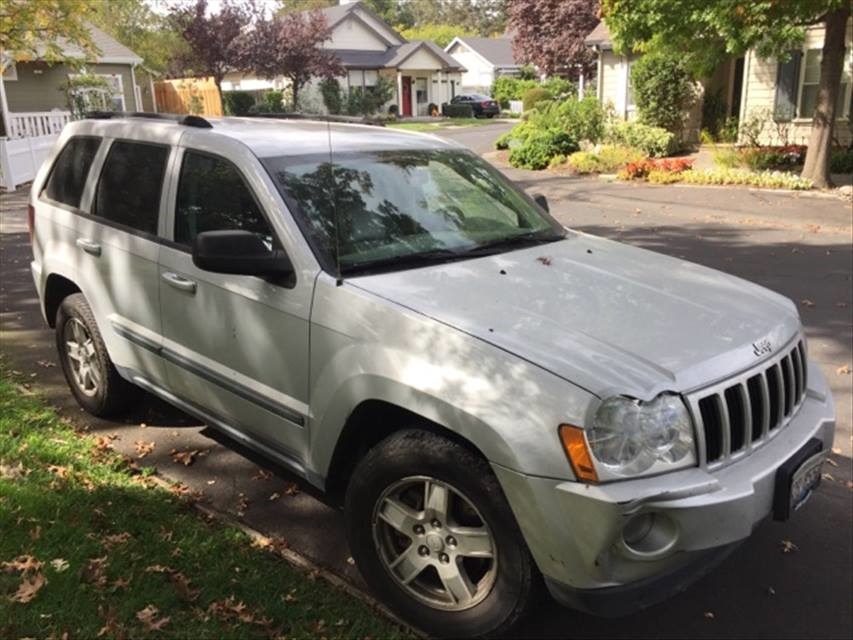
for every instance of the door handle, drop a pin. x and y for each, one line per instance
(89, 246)
(179, 282)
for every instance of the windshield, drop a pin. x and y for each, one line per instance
(404, 208)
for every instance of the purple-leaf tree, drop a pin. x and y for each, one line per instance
(550, 33)
(212, 38)
(291, 46)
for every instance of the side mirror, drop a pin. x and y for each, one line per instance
(542, 201)
(238, 252)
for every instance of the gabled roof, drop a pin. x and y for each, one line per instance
(339, 12)
(599, 37)
(111, 51)
(393, 57)
(496, 51)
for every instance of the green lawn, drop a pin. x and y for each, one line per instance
(90, 547)
(442, 124)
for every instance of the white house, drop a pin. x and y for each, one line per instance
(369, 49)
(484, 59)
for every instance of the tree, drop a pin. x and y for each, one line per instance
(663, 90)
(706, 32)
(30, 30)
(440, 34)
(138, 27)
(484, 17)
(290, 45)
(213, 39)
(550, 33)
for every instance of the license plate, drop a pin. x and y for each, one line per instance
(797, 479)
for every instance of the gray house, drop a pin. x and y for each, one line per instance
(34, 105)
(483, 59)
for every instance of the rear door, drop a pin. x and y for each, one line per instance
(117, 251)
(236, 346)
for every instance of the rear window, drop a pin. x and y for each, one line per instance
(130, 185)
(68, 175)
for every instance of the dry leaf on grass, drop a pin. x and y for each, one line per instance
(94, 572)
(29, 587)
(13, 472)
(23, 564)
(59, 564)
(143, 448)
(58, 471)
(182, 587)
(148, 617)
(115, 539)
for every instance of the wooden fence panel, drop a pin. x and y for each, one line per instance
(188, 95)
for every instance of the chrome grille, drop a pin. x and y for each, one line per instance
(741, 413)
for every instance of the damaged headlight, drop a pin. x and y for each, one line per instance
(629, 437)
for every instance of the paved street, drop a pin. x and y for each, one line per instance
(800, 246)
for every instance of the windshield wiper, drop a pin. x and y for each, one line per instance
(528, 239)
(408, 260)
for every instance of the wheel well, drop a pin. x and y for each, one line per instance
(371, 422)
(56, 290)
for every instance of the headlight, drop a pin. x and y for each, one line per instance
(630, 438)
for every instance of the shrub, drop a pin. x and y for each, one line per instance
(559, 87)
(557, 160)
(238, 103)
(841, 161)
(653, 141)
(539, 147)
(714, 110)
(504, 139)
(581, 119)
(457, 110)
(606, 159)
(767, 179)
(726, 157)
(663, 90)
(656, 176)
(533, 96)
(393, 110)
(330, 89)
(754, 124)
(506, 88)
(761, 158)
(367, 101)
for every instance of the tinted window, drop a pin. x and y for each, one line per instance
(68, 176)
(130, 185)
(212, 197)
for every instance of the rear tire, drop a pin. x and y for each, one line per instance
(443, 549)
(90, 373)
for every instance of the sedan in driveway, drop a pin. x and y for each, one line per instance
(481, 106)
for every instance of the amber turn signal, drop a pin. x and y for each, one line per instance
(574, 442)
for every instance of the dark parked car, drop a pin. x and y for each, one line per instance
(480, 105)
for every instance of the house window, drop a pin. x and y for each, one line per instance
(107, 94)
(810, 84)
(362, 78)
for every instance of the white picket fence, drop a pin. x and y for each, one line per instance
(31, 137)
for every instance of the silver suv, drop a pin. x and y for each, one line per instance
(493, 398)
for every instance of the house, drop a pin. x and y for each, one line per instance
(782, 94)
(34, 105)
(420, 71)
(484, 59)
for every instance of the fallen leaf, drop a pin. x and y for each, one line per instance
(23, 564)
(274, 496)
(182, 587)
(28, 588)
(709, 615)
(59, 564)
(291, 489)
(147, 617)
(771, 591)
(16, 472)
(58, 471)
(158, 568)
(544, 260)
(47, 364)
(789, 547)
(843, 371)
(831, 462)
(807, 303)
(93, 572)
(35, 533)
(115, 539)
(262, 474)
(185, 458)
(143, 448)
(813, 228)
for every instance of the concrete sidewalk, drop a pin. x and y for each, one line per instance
(758, 592)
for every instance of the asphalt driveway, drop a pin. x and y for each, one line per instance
(798, 246)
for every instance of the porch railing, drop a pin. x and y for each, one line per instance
(36, 123)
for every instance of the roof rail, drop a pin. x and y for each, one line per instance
(187, 120)
(289, 115)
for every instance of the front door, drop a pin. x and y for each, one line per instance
(407, 95)
(236, 346)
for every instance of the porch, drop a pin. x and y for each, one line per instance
(418, 88)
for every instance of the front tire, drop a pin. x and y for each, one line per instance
(90, 373)
(434, 537)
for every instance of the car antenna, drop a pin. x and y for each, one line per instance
(339, 280)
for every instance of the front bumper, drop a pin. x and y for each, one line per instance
(575, 530)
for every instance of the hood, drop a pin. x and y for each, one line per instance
(608, 317)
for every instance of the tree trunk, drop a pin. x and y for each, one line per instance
(295, 85)
(820, 143)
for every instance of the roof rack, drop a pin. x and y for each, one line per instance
(289, 115)
(186, 120)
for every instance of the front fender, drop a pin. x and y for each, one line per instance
(505, 406)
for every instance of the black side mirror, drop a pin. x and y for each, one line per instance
(542, 201)
(238, 252)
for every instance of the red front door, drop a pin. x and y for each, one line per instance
(407, 95)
